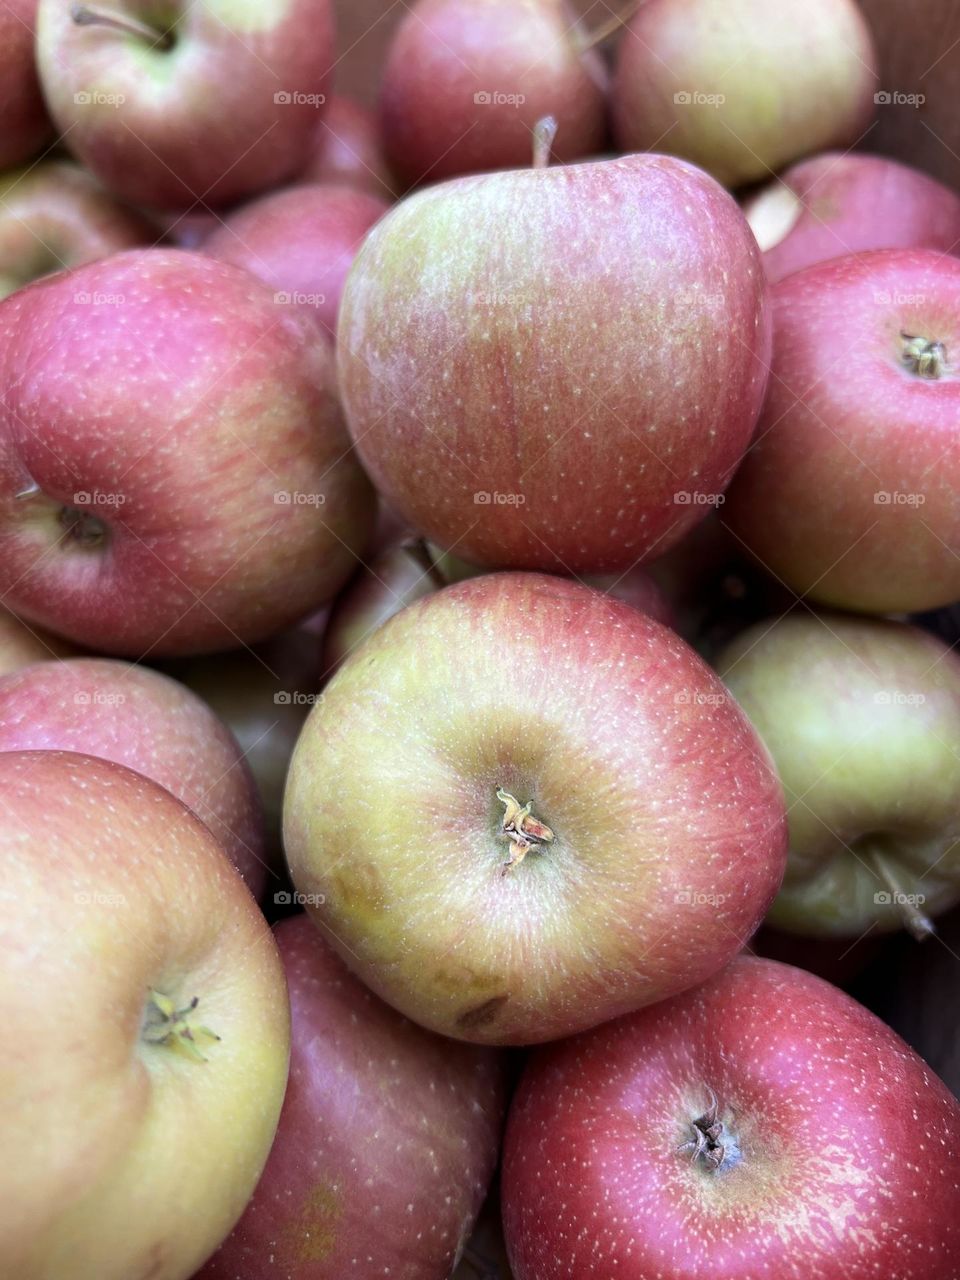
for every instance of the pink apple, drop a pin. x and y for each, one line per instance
(848, 494)
(348, 150)
(201, 103)
(147, 1027)
(174, 474)
(722, 1134)
(301, 242)
(25, 125)
(842, 203)
(22, 645)
(387, 1140)
(150, 723)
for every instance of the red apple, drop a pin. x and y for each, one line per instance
(387, 1140)
(762, 1125)
(848, 494)
(22, 645)
(348, 150)
(56, 215)
(146, 1024)
(25, 123)
(150, 723)
(302, 243)
(842, 203)
(557, 368)
(650, 849)
(467, 80)
(189, 105)
(174, 474)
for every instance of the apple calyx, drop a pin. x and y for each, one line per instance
(544, 136)
(521, 828)
(165, 1024)
(708, 1146)
(82, 527)
(84, 16)
(925, 357)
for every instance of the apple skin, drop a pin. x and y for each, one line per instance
(669, 821)
(124, 1159)
(447, 52)
(302, 243)
(21, 646)
(150, 723)
(594, 1184)
(387, 1140)
(56, 215)
(348, 150)
(123, 380)
(794, 77)
(587, 343)
(204, 122)
(26, 126)
(848, 494)
(862, 718)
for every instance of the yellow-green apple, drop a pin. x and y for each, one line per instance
(763, 1125)
(862, 718)
(150, 723)
(841, 203)
(174, 472)
(744, 87)
(848, 494)
(466, 81)
(55, 215)
(348, 149)
(523, 808)
(557, 368)
(184, 104)
(21, 645)
(301, 242)
(26, 125)
(387, 1139)
(147, 1027)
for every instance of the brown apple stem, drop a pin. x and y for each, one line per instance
(587, 40)
(544, 135)
(84, 16)
(915, 921)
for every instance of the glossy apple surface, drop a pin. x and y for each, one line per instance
(601, 1173)
(130, 1148)
(560, 368)
(186, 483)
(387, 1140)
(25, 123)
(667, 819)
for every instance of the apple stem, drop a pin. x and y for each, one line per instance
(28, 491)
(919, 925)
(84, 16)
(544, 135)
(587, 40)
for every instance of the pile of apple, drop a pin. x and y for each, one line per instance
(479, 582)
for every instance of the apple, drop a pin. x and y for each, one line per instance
(187, 105)
(174, 474)
(744, 87)
(862, 718)
(186, 230)
(147, 1021)
(387, 1140)
(466, 81)
(55, 215)
(723, 1133)
(22, 645)
(523, 808)
(848, 492)
(301, 242)
(150, 723)
(836, 204)
(348, 149)
(557, 368)
(26, 126)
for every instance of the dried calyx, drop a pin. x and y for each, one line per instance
(707, 1145)
(924, 356)
(521, 828)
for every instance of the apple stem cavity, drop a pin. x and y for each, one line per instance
(165, 1024)
(917, 924)
(925, 357)
(544, 136)
(587, 40)
(82, 527)
(521, 828)
(84, 16)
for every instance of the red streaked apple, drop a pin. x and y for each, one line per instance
(173, 106)
(147, 1027)
(721, 1133)
(26, 126)
(22, 645)
(744, 87)
(174, 472)
(387, 1139)
(842, 203)
(848, 494)
(557, 368)
(522, 808)
(55, 215)
(348, 149)
(148, 722)
(301, 242)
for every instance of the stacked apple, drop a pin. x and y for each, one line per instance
(469, 575)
